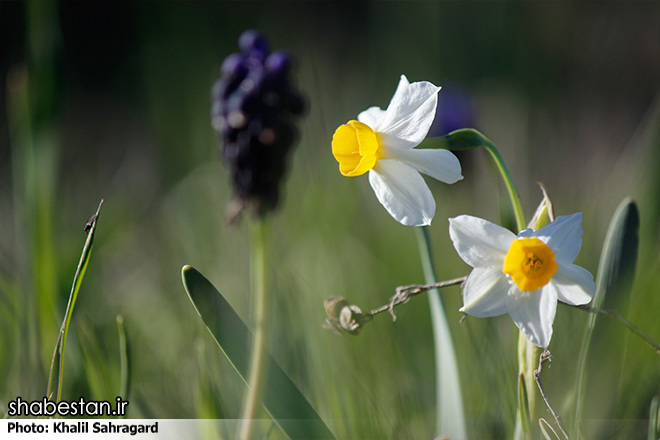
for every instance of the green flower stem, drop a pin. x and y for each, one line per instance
(510, 185)
(259, 356)
(528, 353)
(450, 420)
(469, 138)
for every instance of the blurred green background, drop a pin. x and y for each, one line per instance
(111, 100)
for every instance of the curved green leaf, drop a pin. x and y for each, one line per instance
(615, 273)
(450, 419)
(619, 258)
(283, 401)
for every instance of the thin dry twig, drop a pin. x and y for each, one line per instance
(404, 293)
(543, 358)
(344, 317)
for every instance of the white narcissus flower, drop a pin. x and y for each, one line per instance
(522, 275)
(382, 142)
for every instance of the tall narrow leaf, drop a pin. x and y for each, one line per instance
(60, 345)
(615, 272)
(283, 401)
(546, 429)
(654, 419)
(450, 418)
(124, 359)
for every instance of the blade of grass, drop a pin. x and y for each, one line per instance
(98, 373)
(546, 429)
(60, 345)
(124, 360)
(615, 271)
(654, 419)
(209, 399)
(282, 399)
(450, 418)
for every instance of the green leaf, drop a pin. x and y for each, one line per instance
(283, 401)
(450, 418)
(615, 273)
(619, 257)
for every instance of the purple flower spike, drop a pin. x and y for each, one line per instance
(254, 104)
(254, 43)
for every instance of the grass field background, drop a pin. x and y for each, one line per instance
(111, 100)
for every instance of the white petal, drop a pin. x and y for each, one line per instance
(479, 242)
(410, 114)
(485, 292)
(372, 117)
(563, 236)
(403, 192)
(442, 165)
(534, 313)
(574, 284)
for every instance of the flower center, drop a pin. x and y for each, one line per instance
(530, 263)
(356, 146)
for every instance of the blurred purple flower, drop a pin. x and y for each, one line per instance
(252, 111)
(455, 110)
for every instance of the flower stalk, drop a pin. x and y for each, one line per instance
(469, 138)
(527, 352)
(258, 358)
(253, 107)
(514, 196)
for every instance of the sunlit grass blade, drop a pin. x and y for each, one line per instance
(615, 273)
(654, 419)
(209, 400)
(283, 401)
(124, 360)
(60, 346)
(34, 155)
(449, 399)
(94, 360)
(546, 429)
